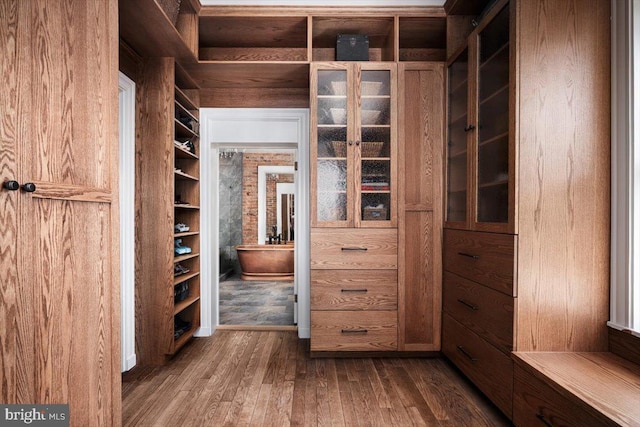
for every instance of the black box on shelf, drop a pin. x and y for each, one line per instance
(352, 47)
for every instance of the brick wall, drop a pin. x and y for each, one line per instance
(250, 163)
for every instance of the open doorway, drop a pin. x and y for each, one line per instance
(256, 237)
(251, 130)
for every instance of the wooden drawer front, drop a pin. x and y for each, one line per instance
(354, 330)
(536, 403)
(354, 249)
(486, 312)
(489, 368)
(354, 290)
(486, 258)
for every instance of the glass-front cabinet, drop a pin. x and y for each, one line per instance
(480, 153)
(457, 144)
(353, 147)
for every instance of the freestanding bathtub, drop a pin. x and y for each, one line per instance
(266, 262)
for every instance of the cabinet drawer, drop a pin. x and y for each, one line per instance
(354, 330)
(486, 312)
(337, 249)
(536, 403)
(489, 368)
(486, 258)
(354, 290)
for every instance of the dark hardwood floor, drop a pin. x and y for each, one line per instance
(241, 378)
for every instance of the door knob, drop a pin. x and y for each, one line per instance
(11, 185)
(29, 187)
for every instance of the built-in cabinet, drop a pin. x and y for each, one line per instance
(526, 240)
(354, 147)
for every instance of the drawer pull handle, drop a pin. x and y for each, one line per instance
(353, 249)
(354, 290)
(468, 255)
(544, 420)
(466, 353)
(471, 306)
(354, 331)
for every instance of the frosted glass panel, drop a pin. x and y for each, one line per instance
(376, 190)
(332, 187)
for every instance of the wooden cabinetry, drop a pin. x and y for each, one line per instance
(420, 164)
(353, 145)
(526, 241)
(59, 264)
(354, 282)
(167, 304)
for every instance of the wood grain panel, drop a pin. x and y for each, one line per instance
(16, 321)
(577, 388)
(354, 290)
(564, 175)
(486, 312)
(154, 212)
(486, 258)
(421, 286)
(259, 74)
(624, 344)
(296, 11)
(252, 54)
(274, 31)
(458, 29)
(421, 135)
(74, 307)
(255, 98)
(354, 330)
(488, 368)
(354, 249)
(67, 96)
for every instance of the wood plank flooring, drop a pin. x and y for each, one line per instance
(266, 378)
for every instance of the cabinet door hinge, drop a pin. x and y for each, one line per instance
(295, 298)
(295, 166)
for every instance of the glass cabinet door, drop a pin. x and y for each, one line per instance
(331, 149)
(374, 139)
(457, 151)
(492, 167)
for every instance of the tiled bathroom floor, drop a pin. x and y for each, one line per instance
(255, 303)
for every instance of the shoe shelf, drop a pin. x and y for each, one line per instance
(182, 153)
(185, 257)
(180, 306)
(182, 175)
(180, 342)
(186, 233)
(184, 277)
(181, 206)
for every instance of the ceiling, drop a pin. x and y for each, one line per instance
(392, 3)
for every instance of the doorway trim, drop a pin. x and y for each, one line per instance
(277, 128)
(127, 171)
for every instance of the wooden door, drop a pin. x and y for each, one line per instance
(60, 305)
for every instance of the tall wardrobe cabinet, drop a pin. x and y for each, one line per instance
(59, 272)
(526, 240)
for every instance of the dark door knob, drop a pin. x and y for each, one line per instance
(11, 185)
(29, 187)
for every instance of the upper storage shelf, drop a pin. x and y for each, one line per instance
(250, 38)
(379, 29)
(146, 27)
(304, 35)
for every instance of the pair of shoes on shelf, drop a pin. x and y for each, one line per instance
(178, 249)
(179, 270)
(180, 327)
(181, 291)
(180, 227)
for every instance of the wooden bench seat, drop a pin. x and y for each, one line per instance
(587, 389)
